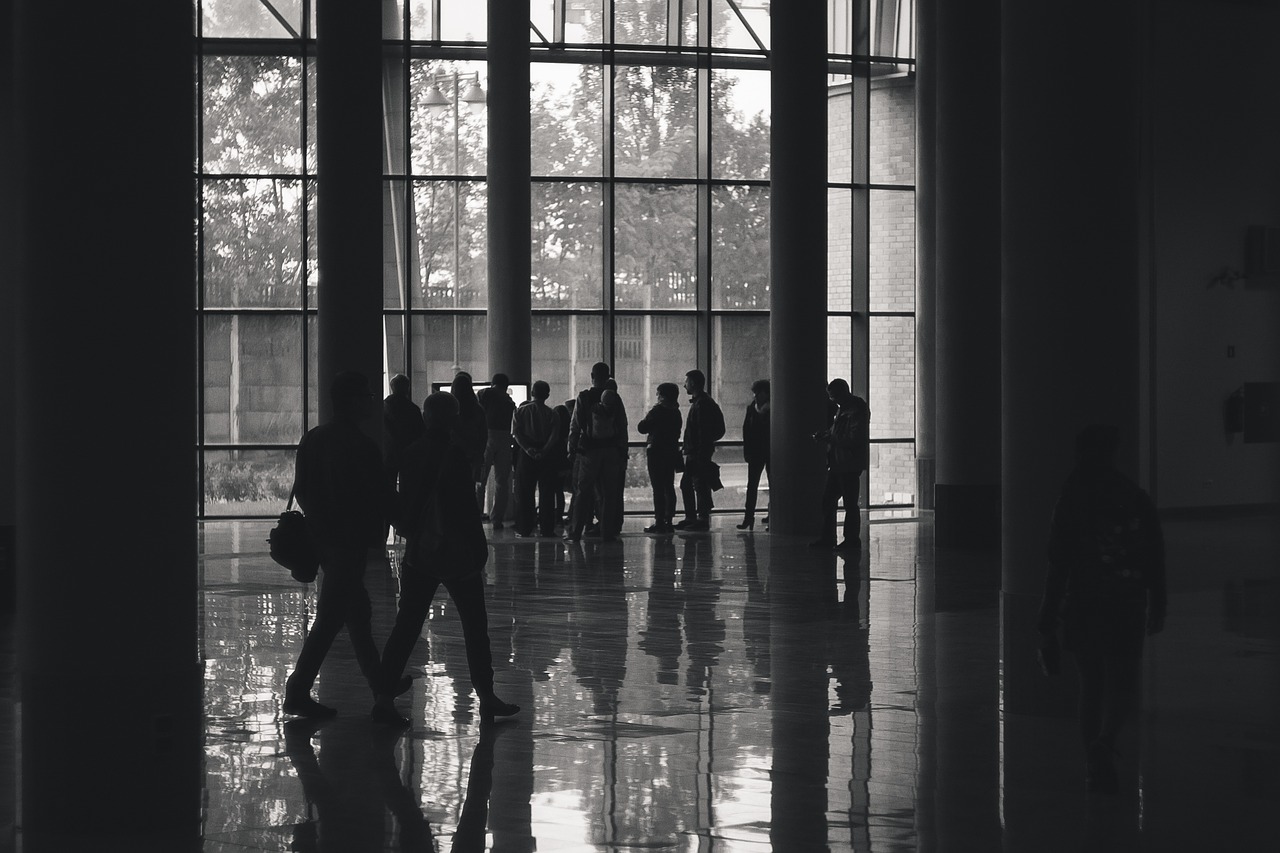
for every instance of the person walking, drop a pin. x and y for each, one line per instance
(437, 514)
(662, 454)
(498, 410)
(536, 430)
(1104, 591)
(341, 489)
(702, 429)
(755, 448)
(848, 442)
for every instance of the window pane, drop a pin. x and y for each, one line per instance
(313, 372)
(252, 379)
(393, 360)
(564, 348)
(566, 115)
(739, 356)
(252, 114)
(892, 477)
(893, 250)
(839, 348)
(839, 250)
(567, 246)
(655, 246)
(740, 247)
(310, 164)
(648, 22)
(449, 121)
(734, 32)
(247, 482)
(252, 243)
(393, 19)
(445, 344)
(893, 130)
(654, 112)
(251, 19)
(893, 380)
(840, 129)
(396, 266)
(464, 20)
(649, 350)
(313, 262)
(420, 20)
(740, 124)
(451, 266)
(395, 114)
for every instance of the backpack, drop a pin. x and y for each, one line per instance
(603, 424)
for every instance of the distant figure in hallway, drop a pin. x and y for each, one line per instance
(562, 463)
(848, 442)
(471, 432)
(662, 454)
(536, 429)
(755, 447)
(1106, 590)
(401, 425)
(499, 409)
(594, 459)
(340, 486)
(435, 478)
(702, 429)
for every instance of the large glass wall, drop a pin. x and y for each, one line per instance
(649, 235)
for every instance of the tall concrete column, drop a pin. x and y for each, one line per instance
(798, 271)
(107, 623)
(349, 194)
(967, 304)
(926, 250)
(1070, 296)
(509, 188)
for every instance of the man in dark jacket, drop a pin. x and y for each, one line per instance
(594, 458)
(848, 452)
(536, 430)
(1105, 589)
(401, 425)
(339, 484)
(662, 454)
(702, 429)
(755, 448)
(499, 408)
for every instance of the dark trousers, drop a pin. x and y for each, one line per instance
(497, 458)
(662, 476)
(841, 485)
(695, 488)
(342, 602)
(594, 473)
(753, 483)
(535, 475)
(417, 589)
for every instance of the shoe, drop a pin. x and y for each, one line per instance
(684, 525)
(656, 528)
(573, 537)
(592, 530)
(823, 543)
(387, 715)
(766, 521)
(747, 524)
(520, 535)
(698, 525)
(305, 706)
(495, 707)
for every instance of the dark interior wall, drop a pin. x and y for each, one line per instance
(1215, 161)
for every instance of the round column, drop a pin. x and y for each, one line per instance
(926, 250)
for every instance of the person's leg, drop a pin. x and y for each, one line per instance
(482, 475)
(610, 489)
(753, 483)
(586, 472)
(417, 589)
(526, 483)
(336, 582)
(654, 467)
(852, 530)
(547, 480)
(359, 622)
(688, 493)
(501, 475)
(830, 495)
(468, 597)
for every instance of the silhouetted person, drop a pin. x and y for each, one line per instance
(755, 447)
(1106, 590)
(401, 425)
(702, 429)
(435, 476)
(561, 462)
(536, 429)
(662, 455)
(499, 408)
(595, 458)
(848, 442)
(339, 484)
(472, 431)
(612, 406)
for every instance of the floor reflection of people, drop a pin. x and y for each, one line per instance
(755, 618)
(355, 781)
(849, 646)
(599, 612)
(661, 637)
(704, 629)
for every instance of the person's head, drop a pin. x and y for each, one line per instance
(1096, 445)
(400, 385)
(350, 394)
(838, 391)
(694, 382)
(463, 387)
(440, 411)
(501, 382)
(611, 384)
(760, 391)
(600, 374)
(541, 391)
(669, 392)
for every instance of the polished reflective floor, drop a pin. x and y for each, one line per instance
(732, 691)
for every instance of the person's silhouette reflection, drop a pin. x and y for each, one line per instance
(599, 612)
(356, 780)
(704, 630)
(849, 647)
(755, 618)
(660, 637)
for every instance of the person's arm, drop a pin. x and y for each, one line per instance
(580, 411)
(519, 431)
